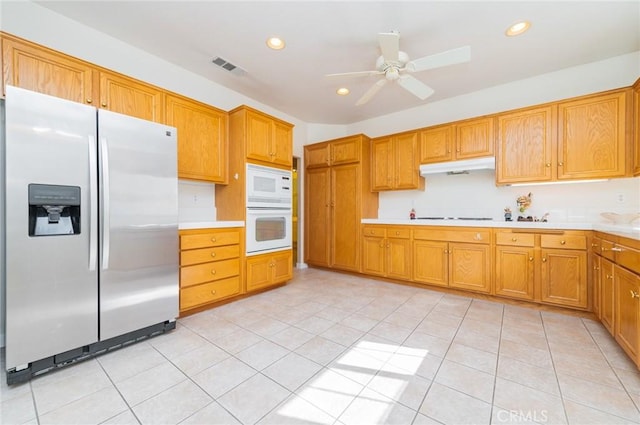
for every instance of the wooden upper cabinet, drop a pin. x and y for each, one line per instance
(202, 139)
(131, 97)
(42, 70)
(592, 135)
(346, 150)
(394, 162)
(472, 138)
(524, 150)
(316, 155)
(636, 128)
(268, 139)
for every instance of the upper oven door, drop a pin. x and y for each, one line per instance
(268, 187)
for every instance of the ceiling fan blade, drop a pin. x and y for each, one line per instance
(371, 92)
(389, 45)
(415, 86)
(355, 74)
(449, 57)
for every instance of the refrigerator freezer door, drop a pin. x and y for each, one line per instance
(139, 225)
(52, 295)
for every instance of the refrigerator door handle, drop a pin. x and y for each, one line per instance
(93, 203)
(106, 225)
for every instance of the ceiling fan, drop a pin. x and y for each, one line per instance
(395, 65)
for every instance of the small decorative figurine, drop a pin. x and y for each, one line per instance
(507, 214)
(524, 202)
(412, 214)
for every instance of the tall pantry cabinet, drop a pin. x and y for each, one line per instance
(337, 197)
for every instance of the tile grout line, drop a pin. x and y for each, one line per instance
(553, 365)
(495, 376)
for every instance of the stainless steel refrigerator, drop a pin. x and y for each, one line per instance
(91, 224)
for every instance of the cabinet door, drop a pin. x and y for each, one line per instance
(373, 255)
(524, 146)
(470, 267)
(606, 294)
(406, 161)
(515, 272)
(398, 253)
(431, 262)
(202, 139)
(317, 216)
(436, 144)
(564, 277)
(282, 144)
(345, 217)
(636, 126)
(474, 138)
(596, 287)
(382, 164)
(281, 267)
(259, 134)
(259, 273)
(316, 155)
(346, 151)
(627, 311)
(38, 69)
(592, 136)
(130, 97)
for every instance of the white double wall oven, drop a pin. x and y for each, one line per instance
(269, 215)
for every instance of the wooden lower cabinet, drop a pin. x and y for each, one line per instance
(268, 270)
(515, 272)
(596, 279)
(627, 310)
(386, 251)
(210, 266)
(463, 264)
(564, 278)
(607, 300)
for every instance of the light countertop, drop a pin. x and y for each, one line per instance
(209, 224)
(630, 231)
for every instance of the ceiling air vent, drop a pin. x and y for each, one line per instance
(222, 63)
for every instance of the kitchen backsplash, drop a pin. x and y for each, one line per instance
(476, 195)
(196, 201)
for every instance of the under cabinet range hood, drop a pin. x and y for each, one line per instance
(458, 167)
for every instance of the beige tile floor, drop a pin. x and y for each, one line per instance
(336, 349)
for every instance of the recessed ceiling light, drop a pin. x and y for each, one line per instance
(275, 43)
(518, 28)
(343, 91)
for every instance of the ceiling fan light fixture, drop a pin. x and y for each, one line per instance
(518, 28)
(275, 43)
(343, 91)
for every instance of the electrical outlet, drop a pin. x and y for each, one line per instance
(195, 199)
(620, 198)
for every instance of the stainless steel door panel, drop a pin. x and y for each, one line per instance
(139, 269)
(52, 295)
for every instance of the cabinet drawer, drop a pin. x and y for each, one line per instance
(203, 255)
(374, 231)
(393, 232)
(515, 239)
(203, 240)
(193, 275)
(470, 236)
(628, 257)
(209, 292)
(563, 241)
(596, 243)
(605, 249)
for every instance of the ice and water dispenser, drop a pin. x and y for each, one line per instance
(54, 210)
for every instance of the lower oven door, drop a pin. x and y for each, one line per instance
(268, 230)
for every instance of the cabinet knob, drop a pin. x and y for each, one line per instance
(544, 259)
(397, 233)
(89, 100)
(596, 268)
(548, 164)
(104, 105)
(213, 254)
(634, 294)
(560, 164)
(594, 245)
(213, 272)
(514, 239)
(213, 292)
(563, 242)
(609, 276)
(530, 258)
(213, 239)
(445, 252)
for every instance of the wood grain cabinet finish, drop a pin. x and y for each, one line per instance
(636, 128)
(607, 300)
(564, 278)
(36, 68)
(268, 139)
(467, 139)
(337, 198)
(458, 258)
(210, 266)
(202, 139)
(592, 135)
(386, 251)
(515, 265)
(596, 277)
(267, 270)
(131, 97)
(394, 162)
(627, 311)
